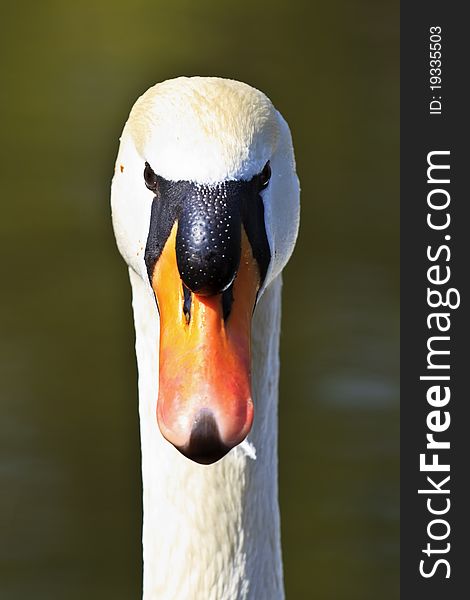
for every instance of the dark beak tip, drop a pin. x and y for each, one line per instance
(205, 445)
(207, 458)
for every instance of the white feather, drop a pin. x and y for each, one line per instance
(209, 532)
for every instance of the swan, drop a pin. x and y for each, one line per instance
(205, 210)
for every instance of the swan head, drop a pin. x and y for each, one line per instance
(205, 205)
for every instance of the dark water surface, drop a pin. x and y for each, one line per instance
(70, 507)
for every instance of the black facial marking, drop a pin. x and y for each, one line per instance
(253, 221)
(208, 239)
(162, 218)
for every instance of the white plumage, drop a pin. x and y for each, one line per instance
(210, 532)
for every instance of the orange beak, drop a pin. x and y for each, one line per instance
(204, 405)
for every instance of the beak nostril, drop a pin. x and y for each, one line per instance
(187, 301)
(227, 301)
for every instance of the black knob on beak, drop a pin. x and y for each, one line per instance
(208, 241)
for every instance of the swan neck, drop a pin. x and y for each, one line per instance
(211, 531)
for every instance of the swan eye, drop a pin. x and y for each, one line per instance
(265, 175)
(150, 178)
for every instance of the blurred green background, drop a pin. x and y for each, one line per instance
(70, 506)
